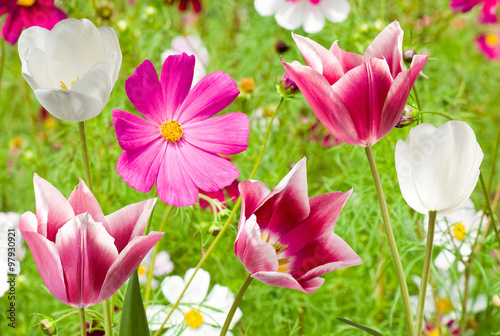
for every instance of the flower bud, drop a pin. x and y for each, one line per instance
(408, 55)
(408, 117)
(214, 230)
(281, 47)
(48, 326)
(287, 87)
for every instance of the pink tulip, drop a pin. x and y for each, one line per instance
(83, 256)
(285, 238)
(488, 13)
(359, 99)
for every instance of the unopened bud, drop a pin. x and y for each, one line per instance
(48, 326)
(408, 117)
(281, 47)
(247, 85)
(287, 87)
(408, 55)
(214, 230)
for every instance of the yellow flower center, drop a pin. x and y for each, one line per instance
(171, 131)
(492, 40)
(444, 305)
(64, 87)
(434, 332)
(193, 318)
(459, 231)
(143, 269)
(26, 3)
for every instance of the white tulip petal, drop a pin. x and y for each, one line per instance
(35, 69)
(314, 20)
(112, 46)
(335, 10)
(69, 105)
(267, 7)
(31, 38)
(95, 82)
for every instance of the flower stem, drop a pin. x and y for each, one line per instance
(226, 224)
(438, 113)
(83, 327)
(235, 305)
(392, 241)
(85, 154)
(488, 208)
(493, 161)
(108, 323)
(464, 300)
(152, 265)
(425, 272)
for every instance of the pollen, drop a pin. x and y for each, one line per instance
(444, 305)
(143, 269)
(64, 87)
(171, 131)
(193, 318)
(26, 3)
(492, 40)
(459, 231)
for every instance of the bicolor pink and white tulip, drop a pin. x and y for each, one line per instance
(83, 256)
(285, 238)
(358, 98)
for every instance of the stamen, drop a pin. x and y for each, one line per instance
(193, 318)
(26, 3)
(171, 131)
(459, 231)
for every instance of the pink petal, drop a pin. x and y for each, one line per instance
(464, 5)
(363, 91)
(388, 45)
(226, 134)
(216, 195)
(254, 253)
(347, 60)
(46, 258)
(398, 95)
(139, 168)
(327, 106)
(325, 210)
(43, 15)
(176, 78)
(325, 254)
(134, 132)
(13, 26)
(145, 92)
(319, 58)
(212, 94)
(174, 184)
(488, 14)
(253, 193)
(209, 172)
(232, 190)
(52, 209)
(82, 200)
(128, 260)
(286, 280)
(129, 222)
(87, 252)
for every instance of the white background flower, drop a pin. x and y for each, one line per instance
(311, 14)
(9, 220)
(163, 266)
(72, 68)
(197, 314)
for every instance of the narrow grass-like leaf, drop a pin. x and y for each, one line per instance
(134, 321)
(359, 326)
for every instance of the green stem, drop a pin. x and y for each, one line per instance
(464, 300)
(150, 220)
(392, 241)
(494, 161)
(425, 272)
(83, 327)
(488, 208)
(85, 154)
(416, 98)
(226, 224)
(152, 264)
(235, 305)
(108, 323)
(438, 113)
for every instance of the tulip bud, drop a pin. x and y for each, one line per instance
(48, 326)
(281, 47)
(408, 117)
(408, 55)
(287, 87)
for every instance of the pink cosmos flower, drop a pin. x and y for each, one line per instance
(359, 99)
(183, 4)
(83, 256)
(220, 195)
(285, 238)
(488, 13)
(177, 145)
(27, 13)
(489, 45)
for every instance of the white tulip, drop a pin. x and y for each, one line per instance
(71, 68)
(438, 168)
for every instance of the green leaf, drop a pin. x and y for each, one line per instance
(134, 321)
(359, 326)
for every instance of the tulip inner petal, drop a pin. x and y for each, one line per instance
(64, 87)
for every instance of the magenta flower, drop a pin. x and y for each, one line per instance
(27, 13)
(359, 99)
(285, 238)
(183, 4)
(489, 45)
(83, 256)
(488, 13)
(220, 195)
(178, 143)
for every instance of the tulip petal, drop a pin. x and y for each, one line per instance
(52, 209)
(126, 263)
(176, 78)
(134, 132)
(212, 94)
(325, 210)
(254, 253)
(112, 46)
(363, 90)
(145, 92)
(129, 222)
(286, 280)
(388, 45)
(139, 168)
(226, 134)
(347, 60)
(95, 82)
(319, 58)
(253, 193)
(35, 69)
(82, 200)
(327, 106)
